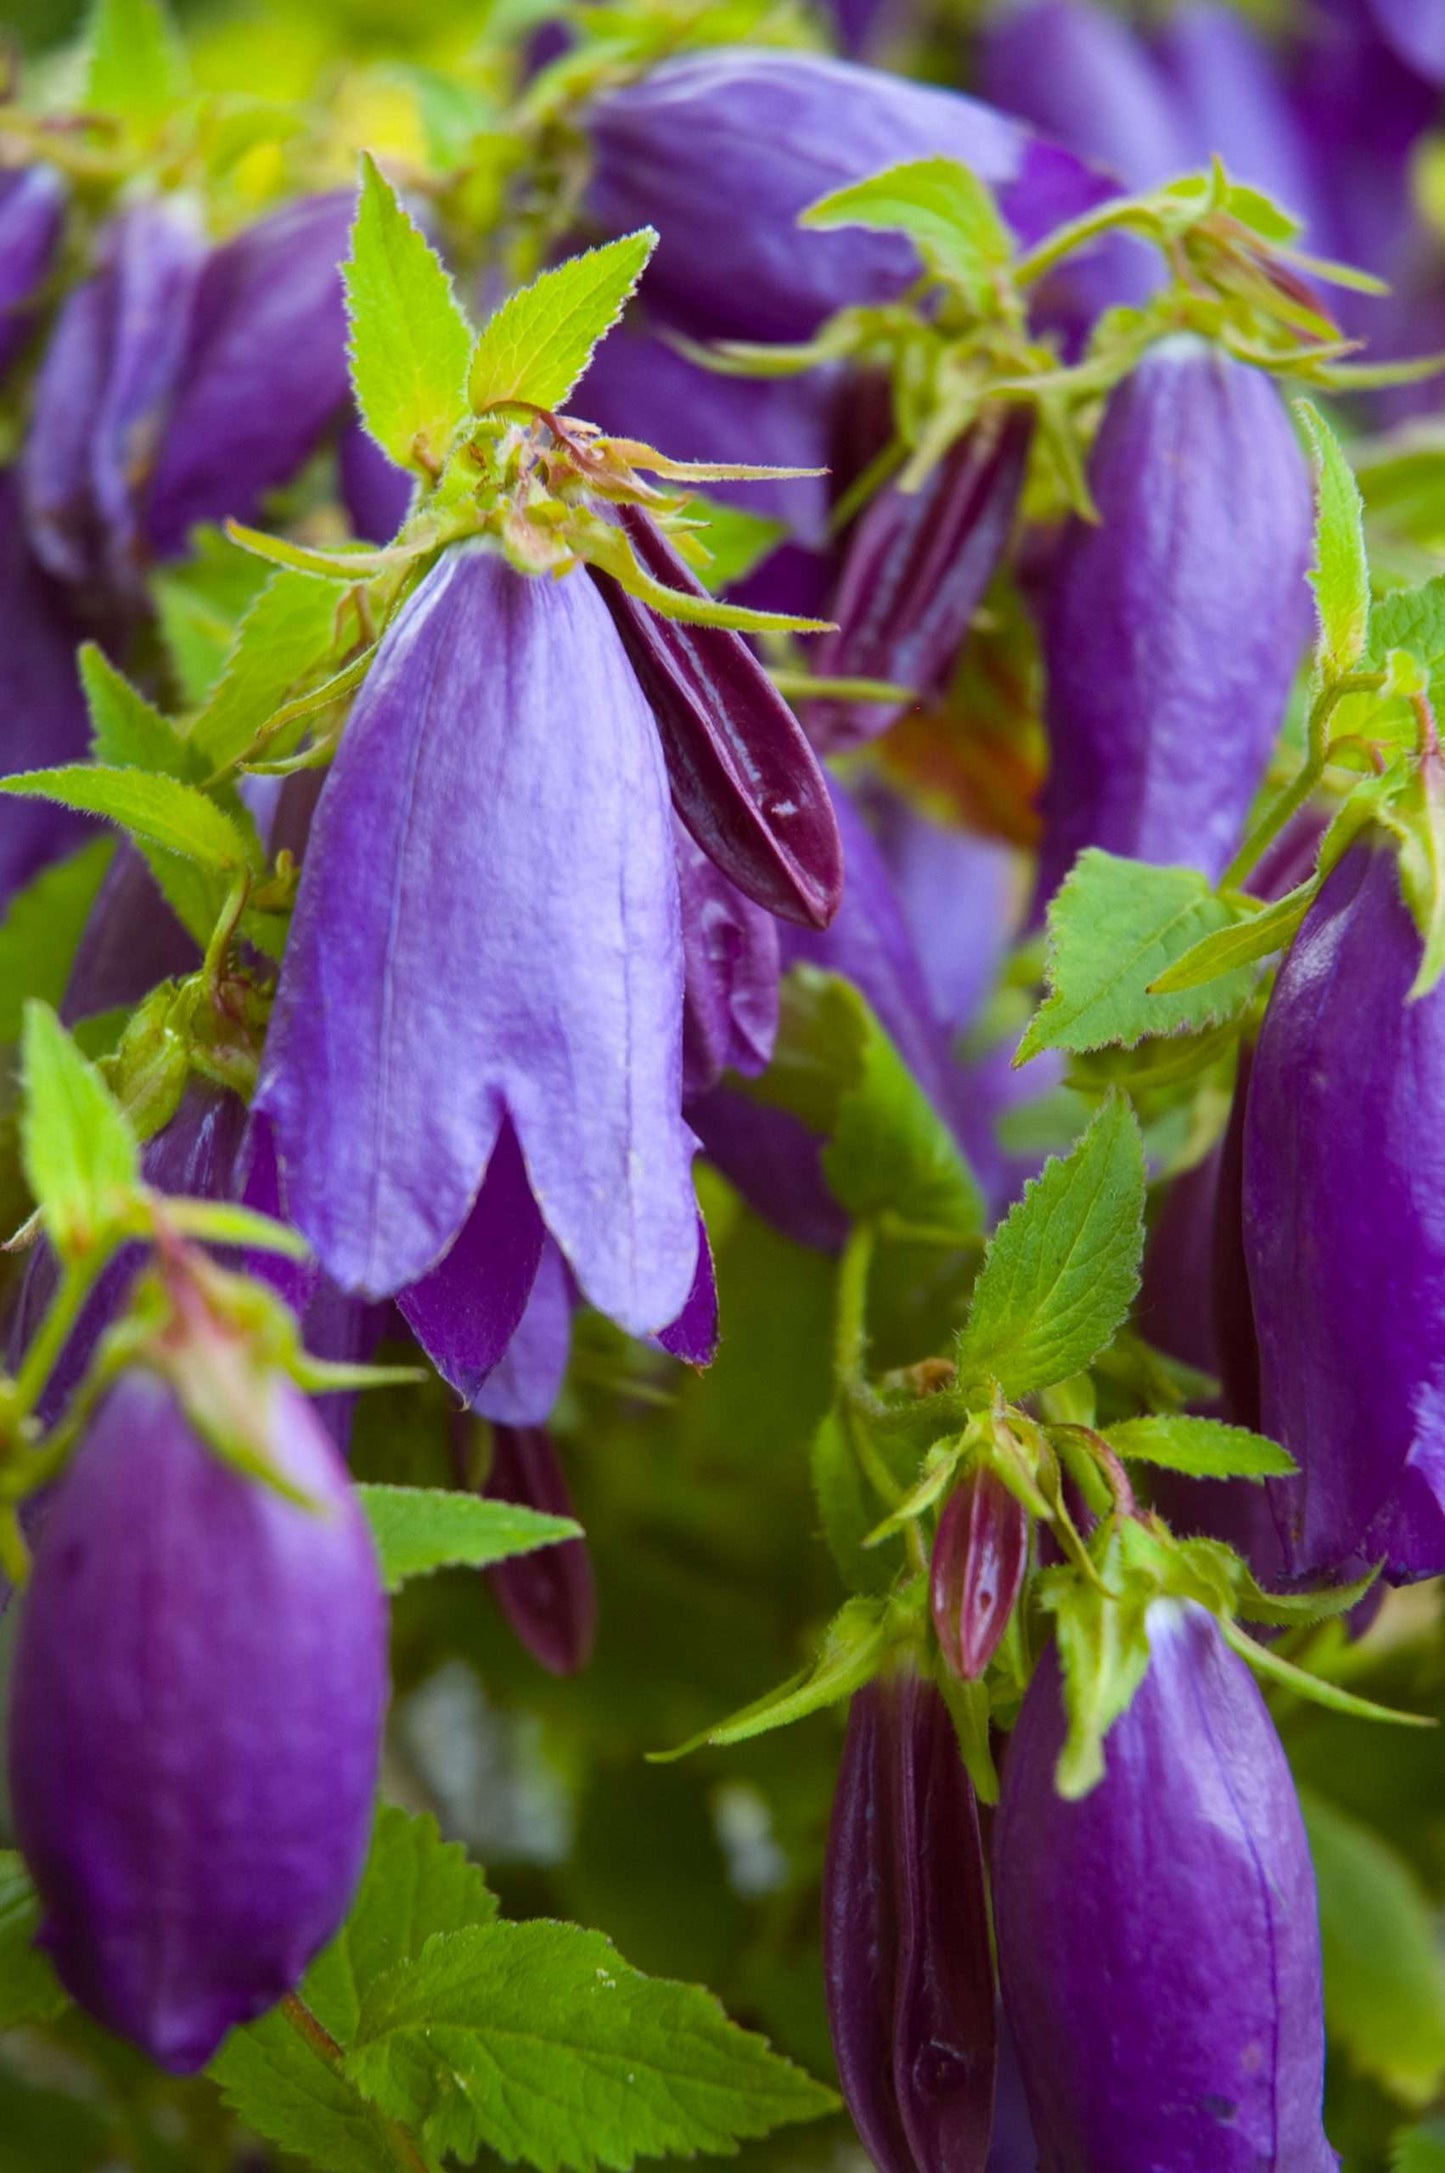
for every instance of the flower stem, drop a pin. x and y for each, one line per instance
(1303, 783)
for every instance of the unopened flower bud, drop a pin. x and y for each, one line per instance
(980, 1554)
(549, 1596)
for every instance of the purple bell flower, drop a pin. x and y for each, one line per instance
(1414, 30)
(103, 394)
(524, 1385)
(376, 493)
(1158, 1941)
(915, 572)
(1344, 1231)
(32, 212)
(263, 373)
(1234, 102)
(905, 1937)
(549, 1596)
(721, 151)
(208, 1698)
(43, 717)
(1175, 623)
(731, 963)
(1078, 74)
(488, 928)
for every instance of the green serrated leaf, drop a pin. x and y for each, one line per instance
(1202, 1447)
(41, 931)
(137, 68)
(159, 811)
(538, 344)
(80, 1156)
(1062, 1269)
(851, 1650)
(1104, 1651)
(288, 633)
(937, 203)
(1412, 619)
(1248, 941)
(847, 1510)
(127, 731)
(1115, 927)
(418, 1529)
(415, 1885)
(1384, 1977)
(200, 603)
(410, 340)
(1341, 575)
(30, 1991)
(537, 2041)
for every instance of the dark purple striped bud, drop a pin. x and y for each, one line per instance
(905, 1937)
(1344, 1230)
(722, 150)
(1158, 1941)
(980, 1554)
(1176, 622)
(744, 778)
(549, 1596)
(916, 569)
(195, 1729)
(32, 210)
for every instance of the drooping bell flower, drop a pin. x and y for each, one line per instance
(195, 1727)
(1081, 76)
(980, 1555)
(744, 778)
(1234, 103)
(1415, 32)
(32, 211)
(1344, 1231)
(376, 493)
(487, 929)
(1158, 1941)
(549, 1596)
(914, 573)
(1174, 624)
(722, 150)
(905, 1936)
(961, 895)
(731, 964)
(263, 372)
(43, 717)
(103, 394)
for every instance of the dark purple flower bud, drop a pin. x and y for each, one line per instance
(1344, 1230)
(263, 371)
(1415, 31)
(1175, 623)
(917, 565)
(465, 1312)
(722, 150)
(980, 1554)
(549, 1596)
(195, 1728)
(43, 718)
(1158, 1941)
(104, 391)
(730, 962)
(744, 778)
(376, 493)
(32, 211)
(905, 1937)
(488, 927)
(523, 1387)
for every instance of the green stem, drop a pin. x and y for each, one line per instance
(850, 1330)
(214, 964)
(309, 2027)
(1297, 792)
(77, 1282)
(1130, 212)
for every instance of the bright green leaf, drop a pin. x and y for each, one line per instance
(41, 931)
(1341, 573)
(156, 810)
(1104, 1648)
(136, 69)
(1384, 1976)
(1202, 1447)
(938, 204)
(537, 2041)
(288, 632)
(418, 1529)
(848, 1658)
(81, 1160)
(538, 344)
(410, 340)
(1062, 1270)
(1114, 928)
(29, 1988)
(847, 1508)
(127, 731)
(200, 603)
(1223, 955)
